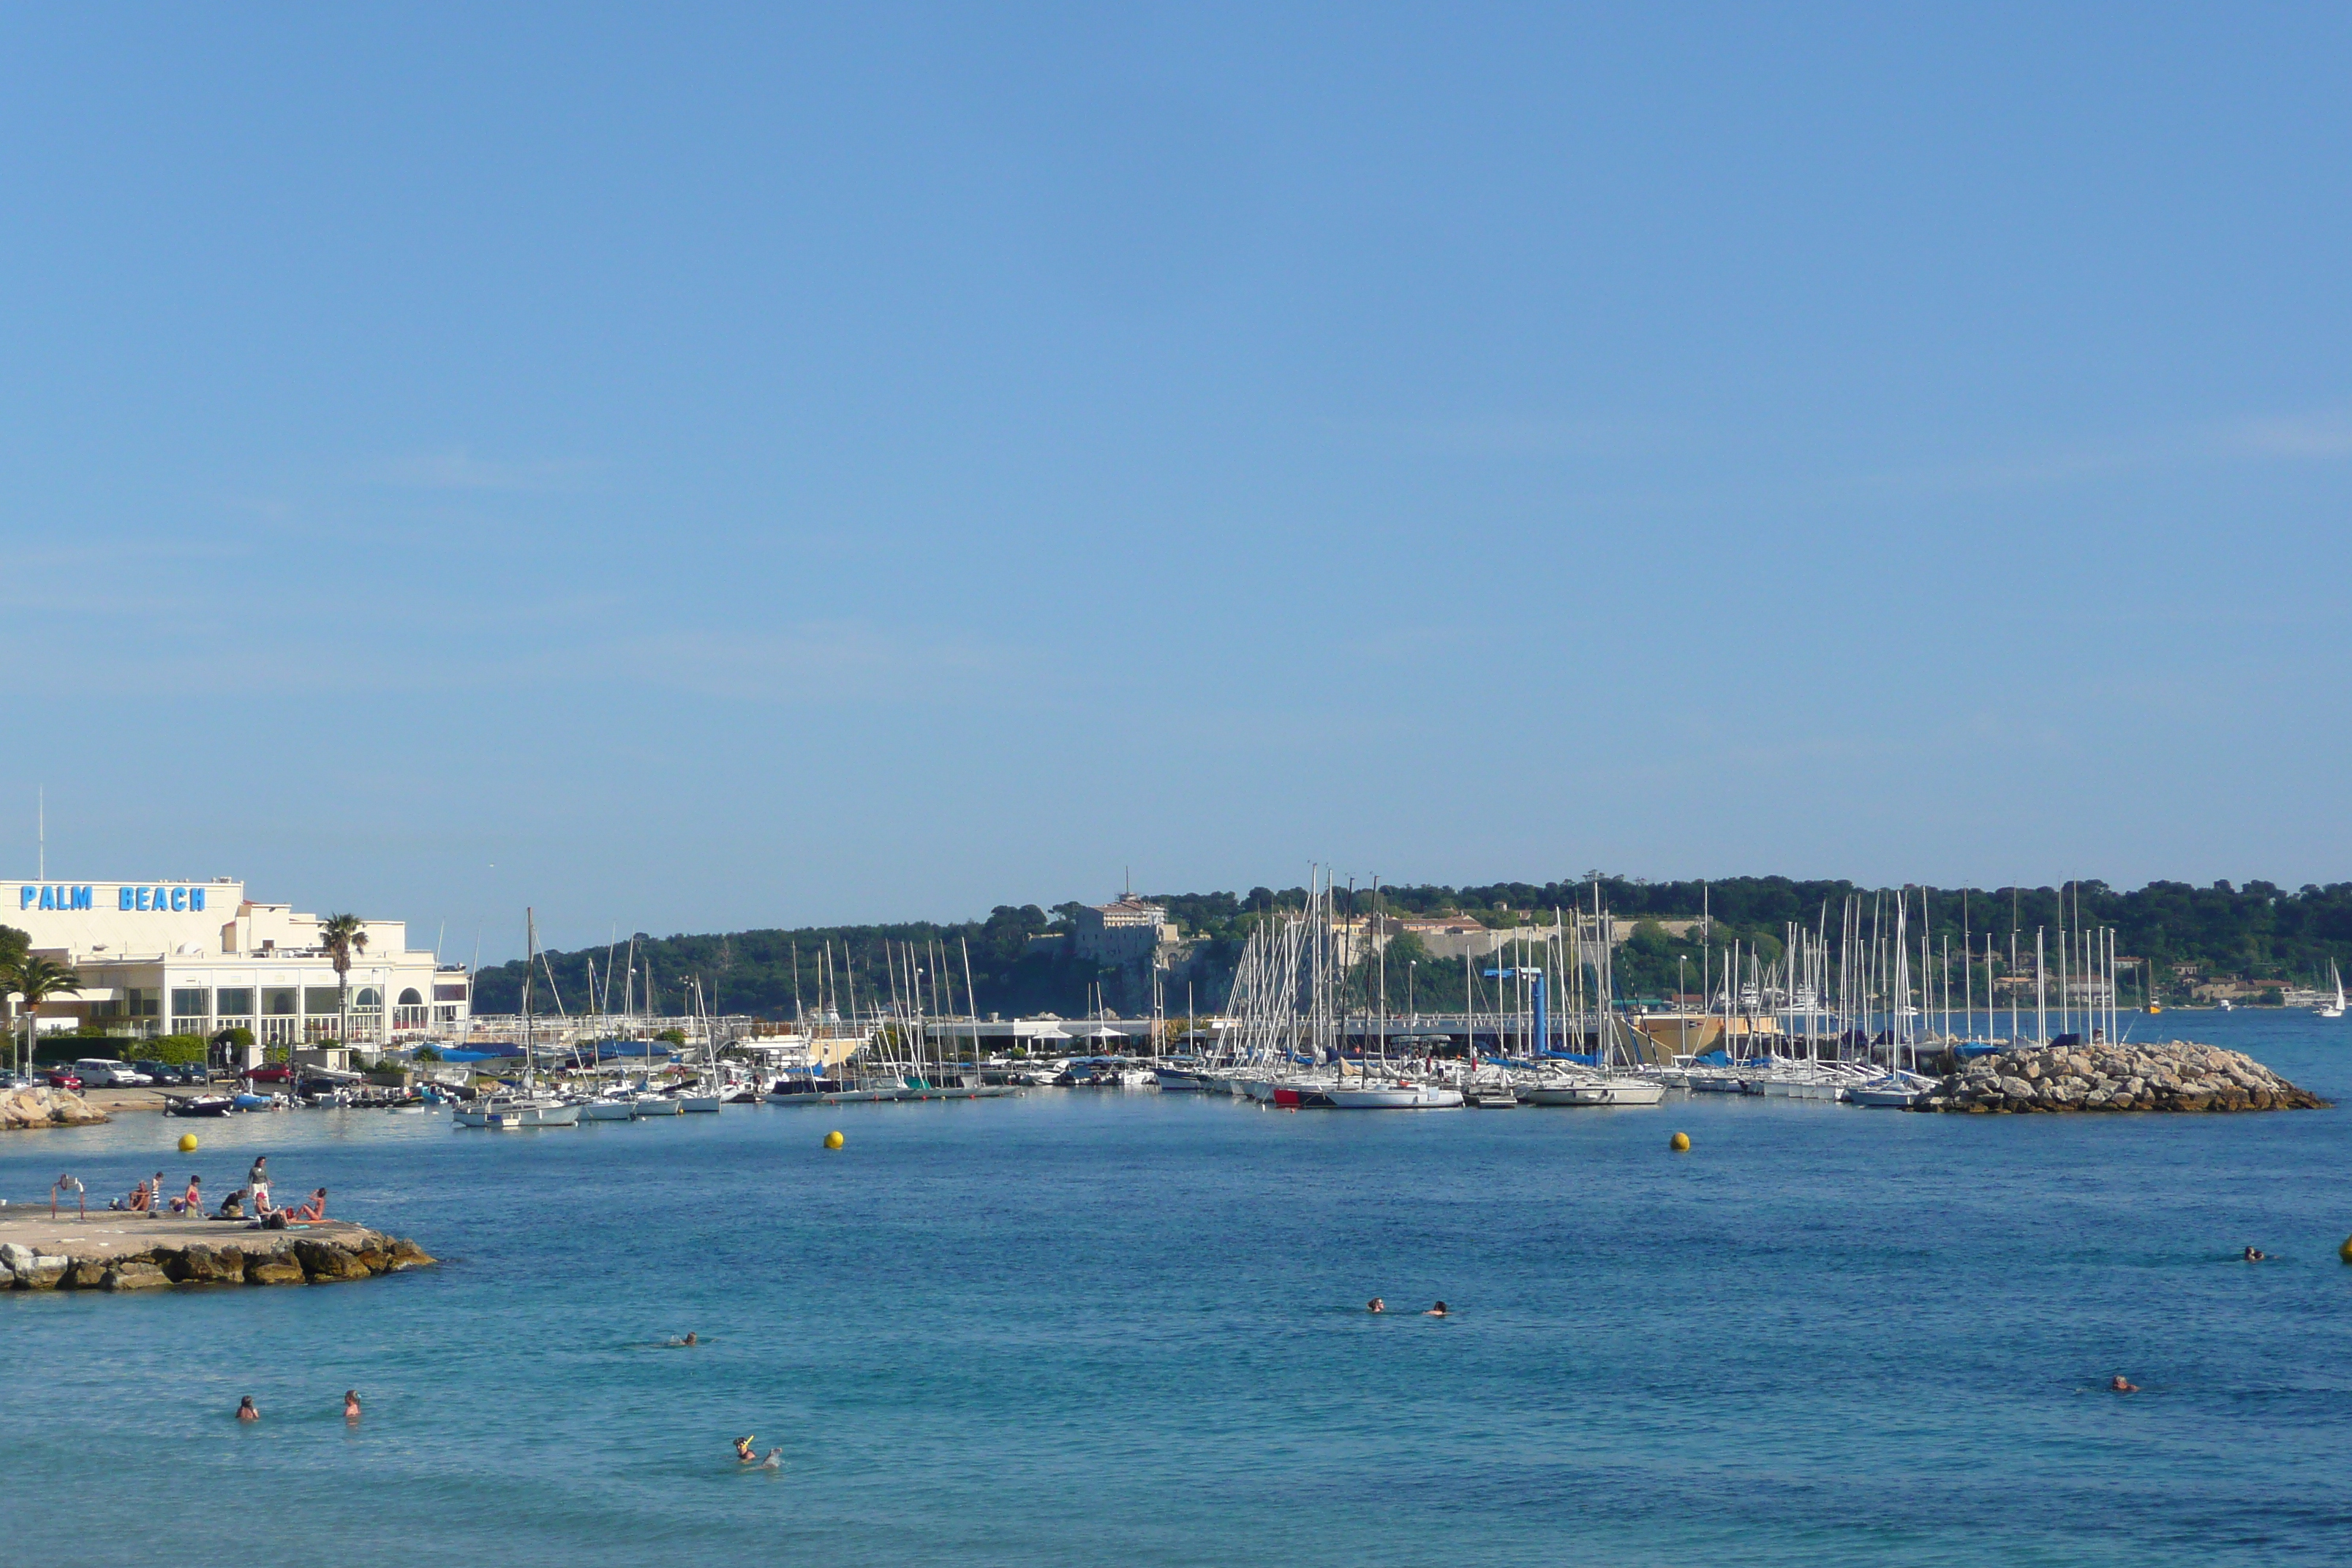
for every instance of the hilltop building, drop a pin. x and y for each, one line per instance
(195, 958)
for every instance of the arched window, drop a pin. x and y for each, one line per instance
(409, 998)
(367, 997)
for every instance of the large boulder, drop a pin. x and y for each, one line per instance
(273, 1269)
(327, 1261)
(133, 1273)
(406, 1253)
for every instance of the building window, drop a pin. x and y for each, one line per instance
(277, 1001)
(449, 992)
(367, 997)
(321, 1000)
(236, 1001)
(409, 998)
(187, 1004)
(141, 1004)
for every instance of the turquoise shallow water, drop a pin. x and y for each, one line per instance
(1086, 1327)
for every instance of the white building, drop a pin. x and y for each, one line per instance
(194, 958)
(1124, 934)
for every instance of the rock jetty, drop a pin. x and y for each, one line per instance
(27, 1108)
(2174, 1076)
(117, 1252)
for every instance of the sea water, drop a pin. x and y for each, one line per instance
(1104, 1327)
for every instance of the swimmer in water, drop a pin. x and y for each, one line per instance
(687, 1344)
(1437, 1312)
(743, 1450)
(351, 1405)
(2119, 1384)
(245, 1410)
(2253, 1255)
(1376, 1305)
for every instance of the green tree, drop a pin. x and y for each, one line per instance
(35, 980)
(342, 936)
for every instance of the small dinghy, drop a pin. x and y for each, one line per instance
(202, 1105)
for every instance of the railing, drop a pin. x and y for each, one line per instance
(191, 1024)
(412, 1017)
(279, 1029)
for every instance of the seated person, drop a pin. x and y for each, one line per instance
(232, 1206)
(313, 1211)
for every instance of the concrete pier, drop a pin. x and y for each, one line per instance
(110, 1251)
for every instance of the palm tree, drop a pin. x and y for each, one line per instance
(35, 980)
(341, 936)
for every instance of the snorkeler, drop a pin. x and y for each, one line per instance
(743, 1449)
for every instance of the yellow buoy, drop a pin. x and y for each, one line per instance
(1679, 1143)
(187, 1142)
(2345, 1251)
(833, 1139)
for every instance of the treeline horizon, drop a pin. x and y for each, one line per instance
(2180, 932)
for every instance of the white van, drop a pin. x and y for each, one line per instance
(105, 1072)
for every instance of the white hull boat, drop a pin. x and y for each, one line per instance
(608, 1110)
(701, 1102)
(513, 1112)
(1394, 1097)
(656, 1105)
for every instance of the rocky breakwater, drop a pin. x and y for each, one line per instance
(2174, 1076)
(118, 1253)
(21, 1108)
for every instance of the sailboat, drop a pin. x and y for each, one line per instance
(527, 1105)
(707, 1093)
(2332, 1009)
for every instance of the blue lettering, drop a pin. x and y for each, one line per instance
(81, 898)
(144, 895)
(197, 899)
(179, 899)
(25, 896)
(124, 895)
(49, 898)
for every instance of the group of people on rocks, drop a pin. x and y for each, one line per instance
(148, 1198)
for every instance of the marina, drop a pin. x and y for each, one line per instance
(953, 1324)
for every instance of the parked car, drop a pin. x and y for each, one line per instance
(104, 1072)
(271, 1075)
(171, 1072)
(61, 1077)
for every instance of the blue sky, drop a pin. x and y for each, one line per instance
(707, 468)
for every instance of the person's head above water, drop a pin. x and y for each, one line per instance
(1376, 1305)
(2121, 1384)
(1438, 1311)
(245, 1410)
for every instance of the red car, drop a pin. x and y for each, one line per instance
(271, 1075)
(61, 1078)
